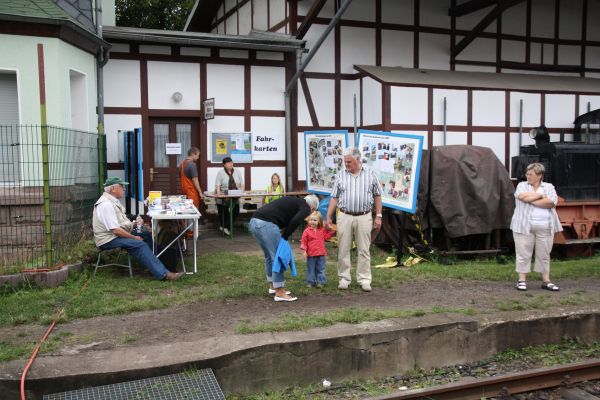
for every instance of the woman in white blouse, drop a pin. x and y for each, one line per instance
(228, 178)
(534, 224)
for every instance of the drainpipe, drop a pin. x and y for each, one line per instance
(520, 123)
(292, 84)
(102, 59)
(445, 126)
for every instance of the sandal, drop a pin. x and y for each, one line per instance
(522, 286)
(550, 286)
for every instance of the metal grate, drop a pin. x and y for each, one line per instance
(197, 384)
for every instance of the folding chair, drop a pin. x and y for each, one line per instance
(119, 252)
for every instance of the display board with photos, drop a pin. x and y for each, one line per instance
(323, 158)
(396, 158)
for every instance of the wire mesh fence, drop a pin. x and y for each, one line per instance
(48, 186)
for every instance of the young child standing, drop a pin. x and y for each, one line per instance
(314, 252)
(275, 187)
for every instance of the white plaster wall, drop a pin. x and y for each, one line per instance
(476, 68)
(303, 114)
(211, 176)
(480, 49)
(532, 103)
(456, 106)
(570, 19)
(277, 11)
(513, 50)
(122, 86)
(195, 51)
(222, 124)
(492, 140)
(348, 90)
(273, 127)
(397, 12)
(371, 102)
(360, 10)
(260, 15)
(397, 49)
(569, 55)
(451, 138)
(488, 108)
(434, 51)
(514, 20)
(592, 58)
(435, 13)
(542, 18)
(267, 88)
(322, 92)
(261, 177)
(357, 47)
(408, 105)
(324, 59)
(583, 103)
(245, 19)
(269, 55)
(119, 48)
(422, 134)
(469, 21)
(231, 25)
(166, 78)
(514, 145)
(112, 124)
(229, 4)
(560, 110)
(226, 84)
(227, 53)
(151, 49)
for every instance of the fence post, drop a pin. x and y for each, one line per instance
(45, 164)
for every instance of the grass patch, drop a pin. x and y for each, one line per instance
(295, 322)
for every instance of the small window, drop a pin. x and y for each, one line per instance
(9, 129)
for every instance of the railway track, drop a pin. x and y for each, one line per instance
(509, 384)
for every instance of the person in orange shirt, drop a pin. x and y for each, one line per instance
(190, 185)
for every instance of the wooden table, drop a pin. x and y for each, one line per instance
(231, 203)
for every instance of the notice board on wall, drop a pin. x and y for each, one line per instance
(237, 145)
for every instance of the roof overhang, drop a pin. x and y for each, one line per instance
(63, 29)
(264, 41)
(480, 80)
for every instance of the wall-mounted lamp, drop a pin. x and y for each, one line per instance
(177, 97)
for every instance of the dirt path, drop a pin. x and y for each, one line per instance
(222, 317)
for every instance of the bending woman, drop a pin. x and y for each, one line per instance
(534, 224)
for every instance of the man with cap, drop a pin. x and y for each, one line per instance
(113, 229)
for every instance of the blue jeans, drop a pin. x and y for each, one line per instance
(315, 265)
(141, 251)
(267, 235)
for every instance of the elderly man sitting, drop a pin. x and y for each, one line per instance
(112, 229)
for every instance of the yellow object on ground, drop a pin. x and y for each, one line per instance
(390, 262)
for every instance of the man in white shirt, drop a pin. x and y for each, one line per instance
(113, 229)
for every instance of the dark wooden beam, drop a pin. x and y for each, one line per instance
(470, 6)
(308, 20)
(484, 23)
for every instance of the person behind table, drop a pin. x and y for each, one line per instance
(228, 179)
(314, 251)
(356, 193)
(272, 222)
(275, 187)
(113, 229)
(190, 185)
(534, 224)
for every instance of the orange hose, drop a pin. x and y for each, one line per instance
(39, 345)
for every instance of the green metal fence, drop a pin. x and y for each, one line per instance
(48, 185)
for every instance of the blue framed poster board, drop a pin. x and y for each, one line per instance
(323, 158)
(396, 158)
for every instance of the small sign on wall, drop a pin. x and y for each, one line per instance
(209, 108)
(173, 148)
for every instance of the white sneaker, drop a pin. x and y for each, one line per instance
(273, 291)
(366, 287)
(221, 228)
(343, 285)
(226, 231)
